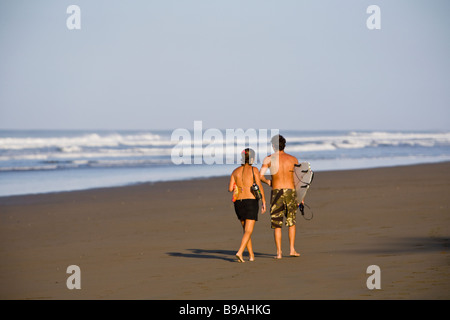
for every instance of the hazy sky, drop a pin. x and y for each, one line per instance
(284, 64)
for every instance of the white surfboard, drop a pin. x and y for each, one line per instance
(303, 176)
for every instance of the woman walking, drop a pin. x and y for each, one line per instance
(247, 191)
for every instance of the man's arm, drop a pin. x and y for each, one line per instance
(264, 168)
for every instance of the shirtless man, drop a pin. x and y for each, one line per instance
(283, 200)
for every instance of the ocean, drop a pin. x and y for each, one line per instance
(42, 161)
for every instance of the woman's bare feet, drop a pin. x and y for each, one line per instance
(294, 254)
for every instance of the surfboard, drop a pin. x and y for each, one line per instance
(303, 176)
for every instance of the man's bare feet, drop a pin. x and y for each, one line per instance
(294, 254)
(240, 258)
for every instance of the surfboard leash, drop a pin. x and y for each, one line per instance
(302, 210)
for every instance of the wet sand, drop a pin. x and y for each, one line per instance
(177, 240)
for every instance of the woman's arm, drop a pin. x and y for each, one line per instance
(263, 197)
(232, 183)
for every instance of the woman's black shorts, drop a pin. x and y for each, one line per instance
(246, 209)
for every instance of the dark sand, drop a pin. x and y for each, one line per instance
(177, 240)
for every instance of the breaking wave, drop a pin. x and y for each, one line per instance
(56, 150)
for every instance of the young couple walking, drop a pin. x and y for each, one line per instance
(283, 200)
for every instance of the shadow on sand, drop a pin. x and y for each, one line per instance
(407, 245)
(227, 255)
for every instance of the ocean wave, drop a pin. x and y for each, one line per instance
(29, 168)
(358, 140)
(100, 153)
(58, 165)
(68, 144)
(353, 139)
(84, 150)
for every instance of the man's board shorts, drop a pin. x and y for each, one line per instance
(283, 202)
(246, 209)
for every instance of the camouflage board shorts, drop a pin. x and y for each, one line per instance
(283, 202)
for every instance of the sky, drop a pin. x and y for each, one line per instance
(284, 64)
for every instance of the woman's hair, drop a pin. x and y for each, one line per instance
(247, 156)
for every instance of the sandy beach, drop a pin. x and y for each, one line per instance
(177, 240)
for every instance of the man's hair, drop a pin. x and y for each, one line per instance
(280, 141)
(247, 155)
